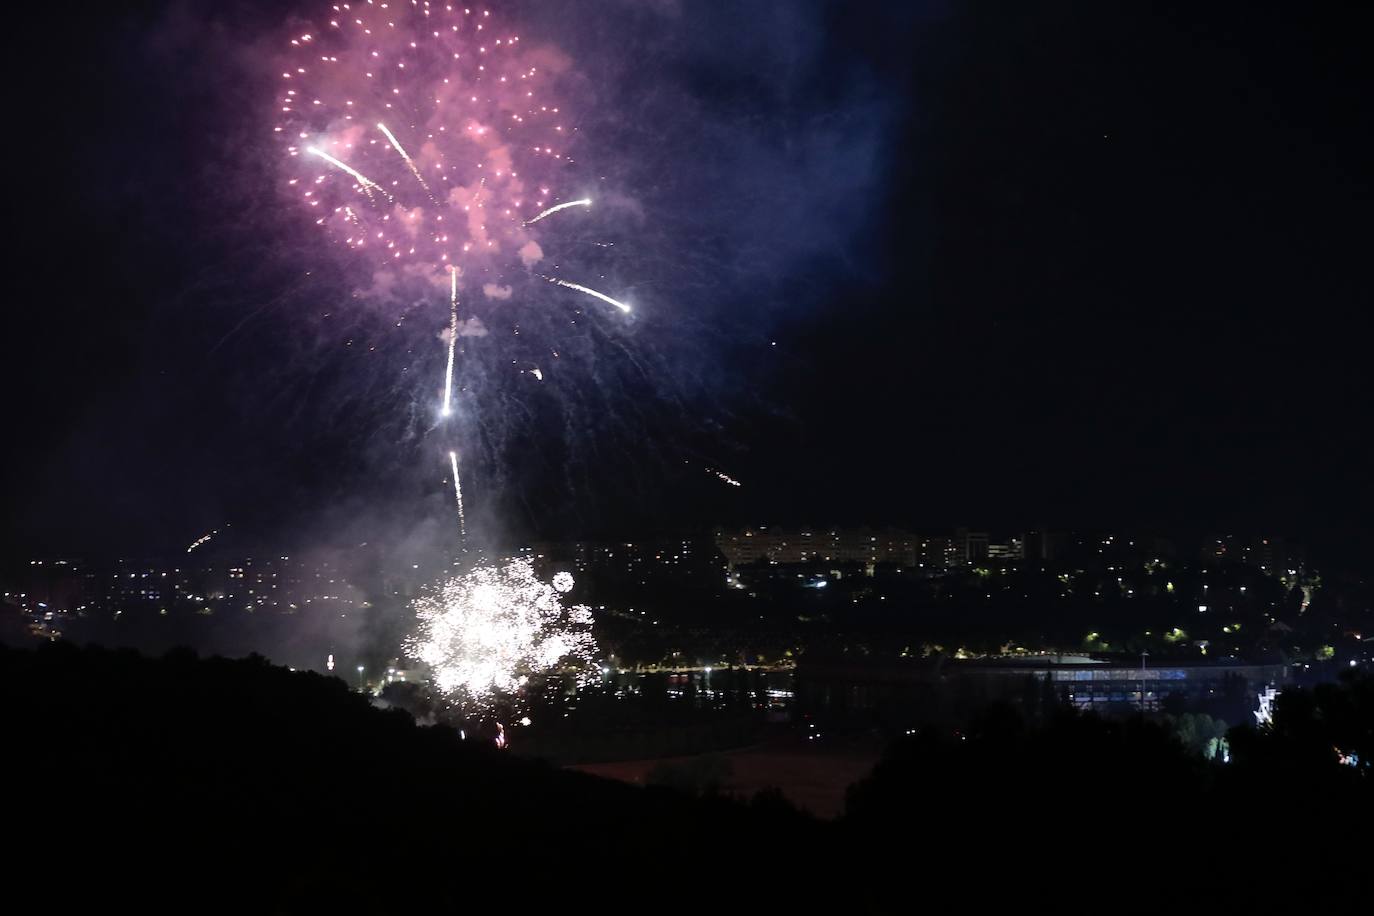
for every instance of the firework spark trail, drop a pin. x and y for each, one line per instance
(724, 476)
(491, 635)
(458, 495)
(452, 341)
(590, 292)
(448, 399)
(201, 540)
(368, 185)
(584, 202)
(396, 145)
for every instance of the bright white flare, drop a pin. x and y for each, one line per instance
(584, 202)
(487, 635)
(590, 292)
(367, 183)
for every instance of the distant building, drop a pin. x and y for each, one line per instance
(854, 687)
(931, 554)
(650, 560)
(1272, 556)
(137, 584)
(1041, 546)
(934, 554)
(1104, 549)
(786, 546)
(970, 547)
(1012, 549)
(1090, 684)
(54, 586)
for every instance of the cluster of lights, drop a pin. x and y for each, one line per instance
(488, 635)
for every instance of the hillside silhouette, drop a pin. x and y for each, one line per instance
(209, 783)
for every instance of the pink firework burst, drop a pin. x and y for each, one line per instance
(427, 137)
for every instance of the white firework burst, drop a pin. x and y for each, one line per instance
(490, 635)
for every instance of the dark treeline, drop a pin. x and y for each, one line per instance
(236, 776)
(1125, 807)
(205, 781)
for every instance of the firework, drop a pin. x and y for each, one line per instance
(367, 184)
(396, 145)
(458, 495)
(590, 292)
(495, 634)
(428, 138)
(443, 133)
(201, 540)
(452, 341)
(724, 476)
(584, 202)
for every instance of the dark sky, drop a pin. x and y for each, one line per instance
(1061, 263)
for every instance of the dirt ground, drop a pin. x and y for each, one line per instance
(813, 775)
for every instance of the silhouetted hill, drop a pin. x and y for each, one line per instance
(287, 788)
(206, 784)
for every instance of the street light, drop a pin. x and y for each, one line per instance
(361, 683)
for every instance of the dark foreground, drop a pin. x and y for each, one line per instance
(213, 784)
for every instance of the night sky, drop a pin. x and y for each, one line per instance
(998, 264)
